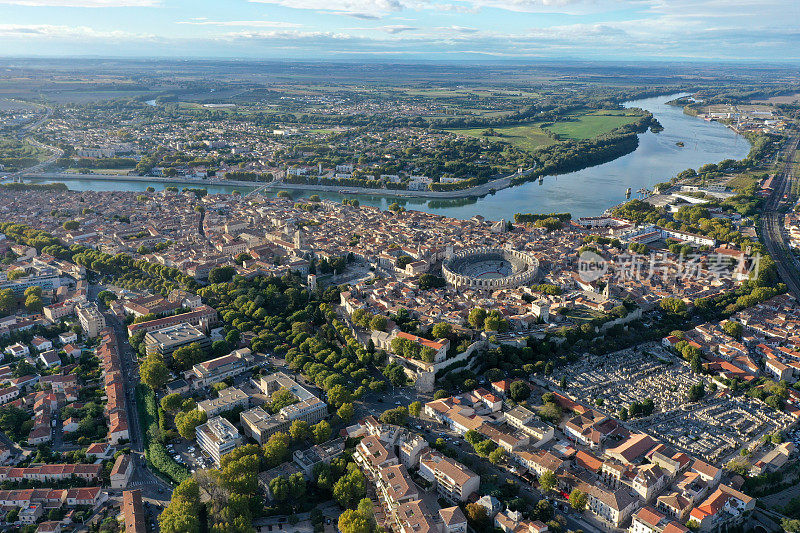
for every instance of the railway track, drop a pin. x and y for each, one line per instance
(771, 224)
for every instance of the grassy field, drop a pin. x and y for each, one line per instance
(529, 137)
(591, 125)
(107, 171)
(740, 182)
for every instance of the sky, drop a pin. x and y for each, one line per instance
(393, 30)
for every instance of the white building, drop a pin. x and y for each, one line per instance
(218, 437)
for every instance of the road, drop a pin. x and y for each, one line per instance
(472, 192)
(152, 486)
(771, 225)
(55, 153)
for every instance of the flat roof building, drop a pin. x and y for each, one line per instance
(166, 340)
(228, 399)
(91, 319)
(261, 425)
(218, 437)
(214, 370)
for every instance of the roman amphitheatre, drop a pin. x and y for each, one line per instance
(488, 268)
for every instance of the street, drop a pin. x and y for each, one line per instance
(152, 486)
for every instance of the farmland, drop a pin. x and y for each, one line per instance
(591, 125)
(524, 137)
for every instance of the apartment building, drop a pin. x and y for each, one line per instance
(613, 506)
(452, 479)
(648, 520)
(91, 319)
(202, 317)
(52, 472)
(725, 508)
(215, 370)
(372, 455)
(133, 511)
(217, 437)
(121, 472)
(526, 421)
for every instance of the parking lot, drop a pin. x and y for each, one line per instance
(190, 455)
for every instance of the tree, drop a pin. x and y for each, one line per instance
(7, 300)
(106, 297)
(181, 515)
(281, 398)
(791, 525)
(519, 391)
(697, 391)
(477, 517)
(279, 487)
(221, 274)
(34, 304)
(352, 521)
(578, 500)
(496, 456)
(476, 318)
(188, 421)
(550, 411)
(276, 449)
(350, 488)
(300, 430)
(186, 357)
(397, 416)
(15, 422)
(734, 329)
(442, 330)
(345, 412)
(697, 364)
(494, 322)
(297, 486)
(153, 371)
(15, 274)
(171, 402)
(415, 408)
(548, 481)
(71, 225)
(322, 431)
(673, 306)
(378, 323)
(485, 447)
(35, 290)
(339, 395)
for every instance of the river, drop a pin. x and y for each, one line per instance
(586, 192)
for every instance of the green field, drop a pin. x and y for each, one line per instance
(740, 182)
(526, 137)
(591, 125)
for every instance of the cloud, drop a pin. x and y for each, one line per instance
(240, 23)
(52, 31)
(363, 9)
(647, 29)
(82, 3)
(397, 28)
(460, 29)
(362, 16)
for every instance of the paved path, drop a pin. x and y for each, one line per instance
(479, 190)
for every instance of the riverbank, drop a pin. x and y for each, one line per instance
(472, 192)
(586, 192)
